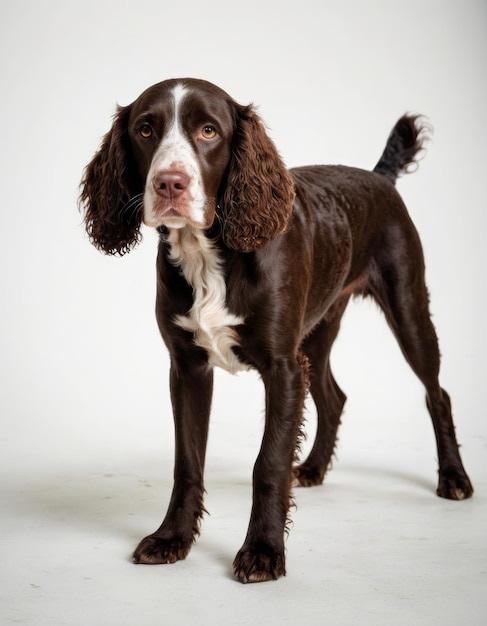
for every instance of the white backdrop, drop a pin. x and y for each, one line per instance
(83, 370)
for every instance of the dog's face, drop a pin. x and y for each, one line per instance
(181, 134)
(183, 153)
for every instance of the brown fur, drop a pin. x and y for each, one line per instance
(294, 247)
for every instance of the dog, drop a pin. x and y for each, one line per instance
(256, 264)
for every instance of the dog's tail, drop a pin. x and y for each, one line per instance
(406, 140)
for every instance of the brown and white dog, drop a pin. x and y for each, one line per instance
(256, 265)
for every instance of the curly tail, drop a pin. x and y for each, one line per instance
(405, 141)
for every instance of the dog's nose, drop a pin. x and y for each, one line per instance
(170, 184)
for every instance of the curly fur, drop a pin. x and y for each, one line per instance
(108, 184)
(258, 198)
(404, 145)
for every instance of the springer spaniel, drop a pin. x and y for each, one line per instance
(256, 265)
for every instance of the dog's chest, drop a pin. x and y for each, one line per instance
(209, 320)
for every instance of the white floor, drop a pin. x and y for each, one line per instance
(373, 545)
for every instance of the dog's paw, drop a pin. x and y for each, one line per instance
(454, 484)
(154, 550)
(256, 566)
(307, 476)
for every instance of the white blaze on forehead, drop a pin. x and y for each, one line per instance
(174, 128)
(178, 94)
(175, 149)
(175, 153)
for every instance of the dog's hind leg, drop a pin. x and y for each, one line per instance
(396, 281)
(327, 396)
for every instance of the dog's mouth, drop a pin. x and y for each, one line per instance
(178, 212)
(174, 217)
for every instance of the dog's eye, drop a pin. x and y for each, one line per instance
(208, 131)
(145, 131)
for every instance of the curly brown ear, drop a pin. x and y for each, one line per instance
(258, 198)
(112, 215)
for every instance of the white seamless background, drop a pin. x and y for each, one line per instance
(84, 373)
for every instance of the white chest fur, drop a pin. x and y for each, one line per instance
(212, 325)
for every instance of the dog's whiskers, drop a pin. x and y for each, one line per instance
(133, 206)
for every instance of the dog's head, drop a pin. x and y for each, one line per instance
(185, 153)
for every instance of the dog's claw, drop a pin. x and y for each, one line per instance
(307, 476)
(154, 550)
(454, 485)
(258, 566)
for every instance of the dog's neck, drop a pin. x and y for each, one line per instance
(212, 324)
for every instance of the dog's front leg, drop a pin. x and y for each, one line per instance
(191, 392)
(262, 556)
